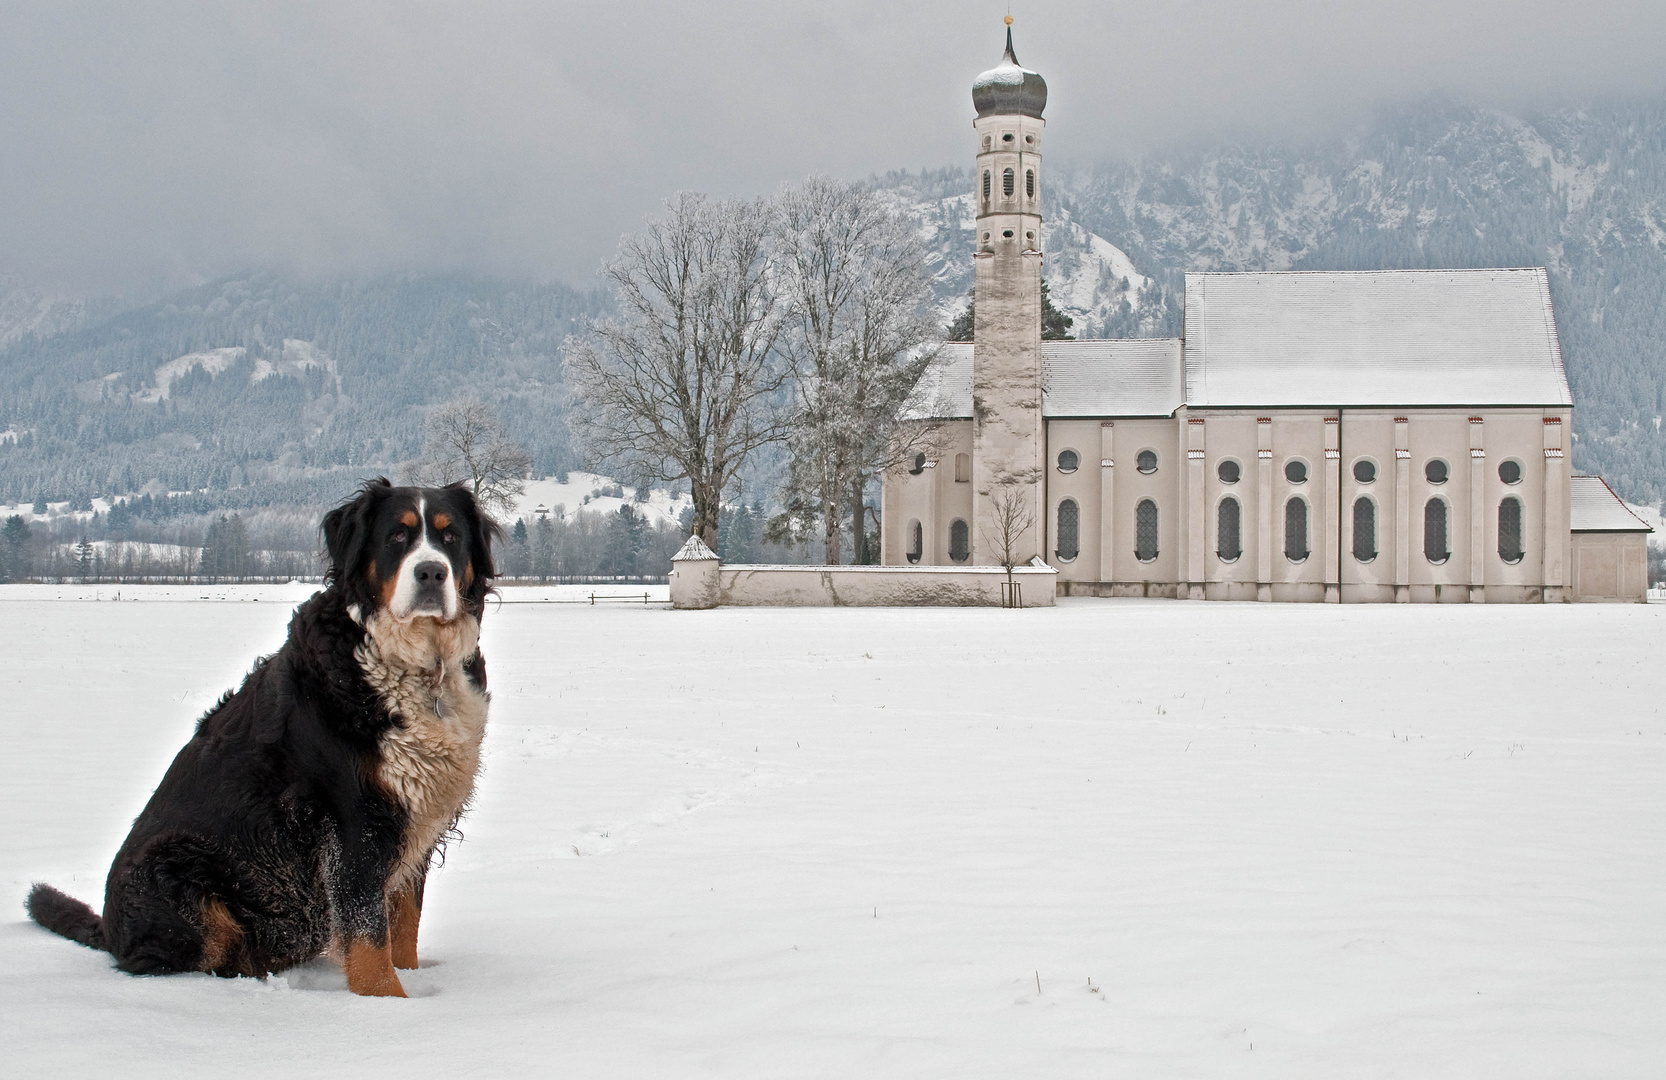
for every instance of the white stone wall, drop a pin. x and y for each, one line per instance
(1610, 567)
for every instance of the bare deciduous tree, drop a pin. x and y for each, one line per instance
(684, 381)
(856, 285)
(466, 443)
(1011, 516)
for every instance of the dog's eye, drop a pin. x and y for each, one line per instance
(450, 538)
(398, 537)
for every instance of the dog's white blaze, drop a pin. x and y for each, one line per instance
(405, 591)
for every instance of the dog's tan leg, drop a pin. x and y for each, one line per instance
(369, 969)
(403, 916)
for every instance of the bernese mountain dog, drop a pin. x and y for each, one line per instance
(301, 818)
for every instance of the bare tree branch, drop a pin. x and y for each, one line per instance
(466, 443)
(685, 382)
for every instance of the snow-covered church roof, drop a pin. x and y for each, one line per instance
(1106, 377)
(1593, 507)
(1375, 338)
(1385, 339)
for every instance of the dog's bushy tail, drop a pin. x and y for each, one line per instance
(66, 915)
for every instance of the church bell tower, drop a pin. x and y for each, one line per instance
(1008, 443)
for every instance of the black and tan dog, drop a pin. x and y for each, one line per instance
(301, 817)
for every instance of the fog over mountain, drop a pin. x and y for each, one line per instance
(151, 146)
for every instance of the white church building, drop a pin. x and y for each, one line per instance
(1338, 437)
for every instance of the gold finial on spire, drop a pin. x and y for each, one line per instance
(1009, 20)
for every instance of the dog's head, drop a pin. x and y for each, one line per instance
(411, 551)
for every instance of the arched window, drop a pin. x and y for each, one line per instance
(1509, 530)
(1229, 541)
(1006, 182)
(960, 541)
(1295, 530)
(1069, 461)
(1069, 533)
(1365, 529)
(1146, 461)
(963, 468)
(919, 465)
(986, 187)
(1029, 182)
(1435, 546)
(1145, 530)
(916, 542)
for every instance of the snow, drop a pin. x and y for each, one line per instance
(550, 493)
(212, 361)
(1365, 841)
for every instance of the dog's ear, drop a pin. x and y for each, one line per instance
(347, 537)
(483, 533)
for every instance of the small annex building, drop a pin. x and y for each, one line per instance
(1377, 436)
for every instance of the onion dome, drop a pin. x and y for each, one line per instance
(1007, 88)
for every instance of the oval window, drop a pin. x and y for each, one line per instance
(919, 465)
(1229, 541)
(1146, 462)
(986, 184)
(1509, 530)
(1029, 182)
(1295, 471)
(1510, 472)
(1145, 530)
(1228, 471)
(1006, 182)
(1365, 529)
(1365, 471)
(1435, 471)
(1069, 531)
(960, 541)
(1437, 547)
(1069, 461)
(1295, 531)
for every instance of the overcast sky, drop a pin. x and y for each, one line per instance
(151, 144)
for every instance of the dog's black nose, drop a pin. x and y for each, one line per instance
(431, 573)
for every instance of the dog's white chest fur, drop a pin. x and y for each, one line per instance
(430, 758)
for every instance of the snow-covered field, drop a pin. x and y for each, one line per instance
(1225, 839)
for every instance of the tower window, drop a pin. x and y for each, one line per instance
(1029, 183)
(986, 183)
(1365, 529)
(1229, 541)
(963, 468)
(1510, 472)
(1435, 546)
(1295, 530)
(1007, 137)
(986, 142)
(1069, 461)
(1070, 517)
(1007, 233)
(916, 541)
(1006, 182)
(1146, 461)
(1435, 471)
(1029, 138)
(1145, 530)
(1509, 530)
(960, 544)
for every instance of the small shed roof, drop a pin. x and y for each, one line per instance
(1104, 377)
(1593, 507)
(1375, 338)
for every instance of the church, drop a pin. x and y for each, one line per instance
(1379, 436)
